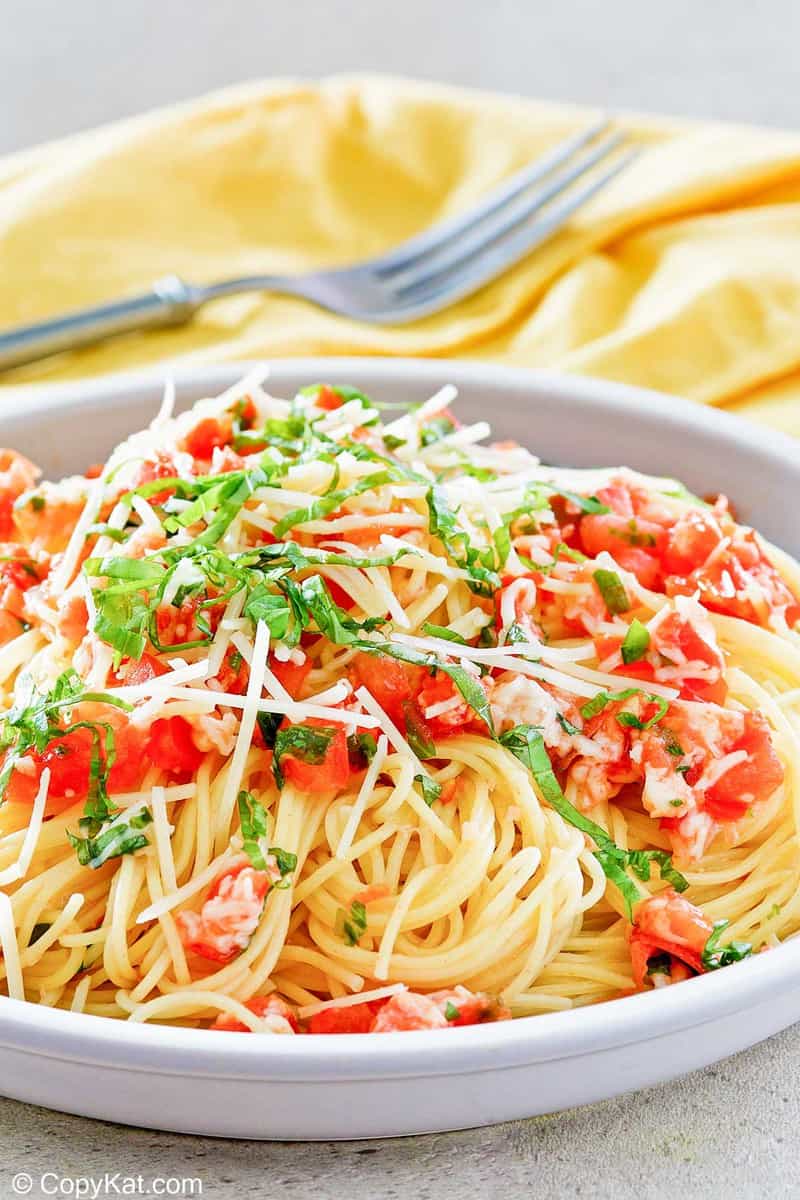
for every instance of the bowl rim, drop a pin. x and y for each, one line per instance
(166, 1049)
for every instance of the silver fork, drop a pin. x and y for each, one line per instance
(423, 275)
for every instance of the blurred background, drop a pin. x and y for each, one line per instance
(65, 66)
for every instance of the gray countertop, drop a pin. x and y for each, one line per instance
(729, 1130)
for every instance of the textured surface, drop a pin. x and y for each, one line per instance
(728, 1131)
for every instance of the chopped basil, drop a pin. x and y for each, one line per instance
(236, 660)
(441, 631)
(479, 565)
(640, 862)
(253, 822)
(587, 504)
(343, 390)
(603, 699)
(527, 744)
(632, 535)
(628, 719)
(566, 725)
(636, 642)
(435, 430)
(417, 732)
(351, 926)
(285, 861)
(612, 590)
(431, 790)
(467, 684)
(117, 839)
(269, 724)
(308, 743)
(451, 1012)
(715, 956)
(329, 503)
(393, 443)
(361, 748)
(32, 724)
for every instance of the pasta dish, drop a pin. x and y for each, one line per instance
(321, 718)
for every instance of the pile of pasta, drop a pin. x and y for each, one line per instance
(321, 718)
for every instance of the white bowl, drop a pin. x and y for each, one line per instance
(353, 1087)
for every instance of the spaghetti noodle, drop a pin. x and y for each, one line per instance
(319, 722)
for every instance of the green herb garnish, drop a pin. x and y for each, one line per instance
(612, 590)
(527, 744)
(636, 642)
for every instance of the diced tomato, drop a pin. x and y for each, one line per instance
(178, 625)
(72, 619)
(161, 468)
(17, 473)
(750, 781)
(234, 673)
(148, 667)
(69, 761)
(388, 682)
(261, 1006)
(472, 1008)
(373, 892)
(6, 515)
(339, 595)
(519, 594)
(330, 775)
(676, 646)
(349, 1018)
(94, 471)
(370, 535)
(407, 1011)
(739, 581)
(328, 399)
(18, 573)
(207, 435)
(130, 763)
(291, 674)
(438, 689)
(229, 916)
(692, 539)
(633, 532)
(669, 923)
(171, 748)
(19, 570)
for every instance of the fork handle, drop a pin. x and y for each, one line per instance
(170, 301)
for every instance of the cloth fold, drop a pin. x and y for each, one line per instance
(683, 275)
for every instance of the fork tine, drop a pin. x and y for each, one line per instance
(493, 229)
(470, 275)
(443, 232)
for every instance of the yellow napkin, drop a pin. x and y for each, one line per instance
(684, 275)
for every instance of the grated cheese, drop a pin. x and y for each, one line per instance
(162, 831)
(8, 942)
(19, 869)
(166, 903)
(360, 803)
(309, 1010)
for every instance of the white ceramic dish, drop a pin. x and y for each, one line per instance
(344, 1087)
